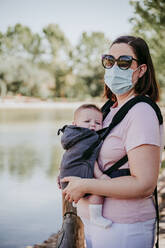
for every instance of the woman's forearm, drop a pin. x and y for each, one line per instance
(122, 187)
(144, 167)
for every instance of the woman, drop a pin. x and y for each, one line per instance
(128, 200)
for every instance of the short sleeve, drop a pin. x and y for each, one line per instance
(141, 127)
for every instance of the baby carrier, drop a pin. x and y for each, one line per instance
(90, 154)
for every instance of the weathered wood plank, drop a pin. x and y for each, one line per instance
(73, 227)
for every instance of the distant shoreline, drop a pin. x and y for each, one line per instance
(8, 104)
(39, 105)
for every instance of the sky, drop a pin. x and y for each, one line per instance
(73, 16)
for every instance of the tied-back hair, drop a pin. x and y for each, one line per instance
(147, 84)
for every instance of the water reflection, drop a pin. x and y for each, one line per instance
(30, 153)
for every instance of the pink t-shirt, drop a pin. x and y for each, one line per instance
(140, 126)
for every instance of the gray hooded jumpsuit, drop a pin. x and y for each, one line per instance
(79, 159)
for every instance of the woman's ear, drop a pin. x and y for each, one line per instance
(143, 69)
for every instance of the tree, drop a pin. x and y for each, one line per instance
(21, 53)
(46, 65)
(58, 50)
(149, 22)
(87, 61)
(24, 77)
(59, 45)
(19, 40)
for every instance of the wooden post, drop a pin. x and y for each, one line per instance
(73, 226)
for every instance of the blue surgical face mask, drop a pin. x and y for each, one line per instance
(119, 81)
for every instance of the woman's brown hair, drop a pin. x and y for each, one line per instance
(147, 84)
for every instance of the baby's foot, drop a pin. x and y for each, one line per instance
(101, 222)
(74, 204)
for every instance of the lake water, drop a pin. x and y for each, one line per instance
(30, 154)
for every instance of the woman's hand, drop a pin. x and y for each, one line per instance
(75, 189)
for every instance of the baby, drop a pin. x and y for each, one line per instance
(87, 116)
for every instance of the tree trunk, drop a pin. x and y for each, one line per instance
(73, 226)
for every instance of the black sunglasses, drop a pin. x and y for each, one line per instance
(123, 62)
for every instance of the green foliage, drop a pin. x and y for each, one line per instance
(87, 61)
(58, 43)
(163, 164)
(149, 23)
(47, 66)
(24, 77)
(19, 40)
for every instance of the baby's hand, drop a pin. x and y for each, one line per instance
(97, 172)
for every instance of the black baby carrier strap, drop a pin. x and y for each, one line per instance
(119, 116)
(114, 170)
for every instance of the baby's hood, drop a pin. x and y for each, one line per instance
(73, 134)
